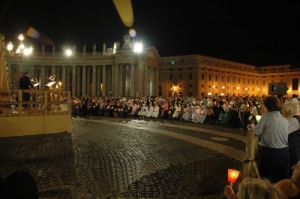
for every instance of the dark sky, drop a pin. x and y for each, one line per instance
(263, 33)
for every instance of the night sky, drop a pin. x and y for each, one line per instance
(263, 33)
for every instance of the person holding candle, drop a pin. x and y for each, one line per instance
(254, 188)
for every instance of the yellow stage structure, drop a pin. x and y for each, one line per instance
(47, 111)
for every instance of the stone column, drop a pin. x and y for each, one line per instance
(132, 80)
(94, 81)
(88, 80)
(156, 81)
(53, 71)
(68, 80)
(121, 80)
(141, 79)
(64, 78)
(74, 93)
(112, 79)
(109, 88)
(146, 80)
(98, 80)
(116, 77)
(104, 82)
(43, 78)
(151, 81)
(84, 80)
(78, 82)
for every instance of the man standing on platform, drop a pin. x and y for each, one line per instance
(24, 85)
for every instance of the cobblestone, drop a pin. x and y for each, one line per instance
(114, 158)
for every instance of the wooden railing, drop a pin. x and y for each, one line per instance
(47, 102)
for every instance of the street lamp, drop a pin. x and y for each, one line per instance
(138, 47)
(21, 49)
(246, 89)
(223, 87)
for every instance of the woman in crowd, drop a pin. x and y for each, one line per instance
(290, 111)
(253, 188)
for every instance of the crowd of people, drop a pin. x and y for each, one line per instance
(221, 110)
(278, 128)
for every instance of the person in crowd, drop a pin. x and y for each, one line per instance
(18, 185)
(150, 109)
(290, 111)
(25, 84)
(221, 113)
(209, 115)
(155, 111)
(165, 109)
(244, 114)
(295, 98)
(177, 111)
(253, 188)
(234, 114)
(85, 105)
(273, 129)
(143, 111)
(291, 187)
(187, 114)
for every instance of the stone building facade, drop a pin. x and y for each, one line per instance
(197, 75)
(116, 72)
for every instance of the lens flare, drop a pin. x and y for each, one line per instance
(132, 32)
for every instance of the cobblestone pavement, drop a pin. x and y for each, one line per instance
(114, 158)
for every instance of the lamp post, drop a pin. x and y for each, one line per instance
(20, 51)
(246, 89)
(223, 87)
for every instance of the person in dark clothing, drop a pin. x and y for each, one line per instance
(24, 84)
(19, 184)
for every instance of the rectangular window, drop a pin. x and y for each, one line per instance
(228, 79)
(222, 78)
(170, 76)
(190, 76)
(216, 78)
(209, 77)
(202, 76)
(264, 82)
(190, 85)
(180, 76)
(233, 80)
(238, 80)
(295, 83)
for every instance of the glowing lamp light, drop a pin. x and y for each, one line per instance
(138, 47)
(232, 176)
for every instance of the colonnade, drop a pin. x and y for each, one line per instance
(116, 79)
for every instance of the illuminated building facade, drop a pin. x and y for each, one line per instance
(121, 72)
(113, 72)
(197, 75)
